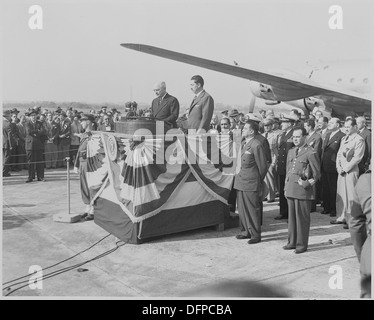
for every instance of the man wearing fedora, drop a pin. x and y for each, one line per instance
(235, 116)
(285, 143)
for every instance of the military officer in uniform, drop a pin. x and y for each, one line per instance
(80, 165)
(303, 171)
(285, 143)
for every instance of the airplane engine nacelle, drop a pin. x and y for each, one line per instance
(261, 90)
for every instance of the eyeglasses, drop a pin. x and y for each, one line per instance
(224, 124)
(156, 90)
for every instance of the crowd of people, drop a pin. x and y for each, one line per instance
(40, 139)
(303, 161)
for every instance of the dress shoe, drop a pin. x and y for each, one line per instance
(325, 212)
(89, 217)
(241, 237)
(297, 251)
(280, 217)
(345, 226)
(84, 215)
(336, 222)
(41, 179)
(253, 241)
(287, 247)
(270, 201)
(28, 180)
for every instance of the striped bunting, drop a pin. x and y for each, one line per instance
(154, 175)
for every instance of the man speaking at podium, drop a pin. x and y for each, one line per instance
(165, 107)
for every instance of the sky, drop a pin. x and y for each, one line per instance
(77, 56)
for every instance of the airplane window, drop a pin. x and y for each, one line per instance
(352, 80)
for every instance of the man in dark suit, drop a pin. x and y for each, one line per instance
(202, 106)
(250, 175)
(303, 170)
(165, 107)
(8, 143)
(360, 229)
(64, 138)
(329, 178)
(314, 140)
(365, 133)
(285, 143)
(34, 147)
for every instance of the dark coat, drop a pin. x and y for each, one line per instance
(34, 133)
(253, 167)
(330, 149)
(364, 164)
(166, 110)
(284, 145)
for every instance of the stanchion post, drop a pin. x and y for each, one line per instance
(67, 216)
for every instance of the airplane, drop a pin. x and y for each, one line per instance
(332, 88)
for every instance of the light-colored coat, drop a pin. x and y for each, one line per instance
(350, 153)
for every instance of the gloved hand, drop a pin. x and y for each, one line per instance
(304, 183)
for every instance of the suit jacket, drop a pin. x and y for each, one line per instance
(284, 145)
(350, 153)
(315, 142)
(201, 112)
(253, 167)
(265, 144)
(330, 149)
(8, 141)
(65, 130)
(166, 110)
(360, 222)
(364, 164)
(305, 163)
(34, 133)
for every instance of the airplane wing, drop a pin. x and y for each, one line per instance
(285, 88)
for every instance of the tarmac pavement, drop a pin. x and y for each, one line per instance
(168, 267)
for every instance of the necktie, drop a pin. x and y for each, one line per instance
(159, 101)
(266, 135)
(297, 151)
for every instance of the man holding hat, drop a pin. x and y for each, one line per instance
(80, 164)
(285, 143)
